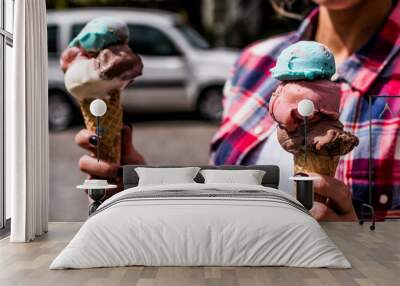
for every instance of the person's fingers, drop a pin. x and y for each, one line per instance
(322, 212)
(87, 140)
(336, 191)
(129, 154)
(98, 169)
(126, 135)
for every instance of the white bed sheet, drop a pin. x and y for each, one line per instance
(200, 231)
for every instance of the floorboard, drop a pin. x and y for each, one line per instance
(374, 255)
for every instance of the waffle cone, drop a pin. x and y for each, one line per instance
(324, 165)
(320, 164)
(111, 124)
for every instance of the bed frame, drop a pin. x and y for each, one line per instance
(270, 179)
(131, 179)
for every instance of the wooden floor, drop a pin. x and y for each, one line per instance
(375, 257)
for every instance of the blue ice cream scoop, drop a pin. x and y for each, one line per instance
(100, 33)
(304, 60)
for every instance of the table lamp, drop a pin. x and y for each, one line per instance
(97, 188)
(98, 108)
(304, 183)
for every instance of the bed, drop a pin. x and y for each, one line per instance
(201, 224)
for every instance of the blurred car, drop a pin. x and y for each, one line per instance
(181, 71)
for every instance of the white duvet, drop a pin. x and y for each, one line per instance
(201, 224)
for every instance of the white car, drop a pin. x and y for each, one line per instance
(181, 71)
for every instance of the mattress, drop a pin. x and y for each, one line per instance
(201, 225)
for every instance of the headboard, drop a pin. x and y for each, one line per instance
(270, 179)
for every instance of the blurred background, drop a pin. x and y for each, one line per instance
(187, 48)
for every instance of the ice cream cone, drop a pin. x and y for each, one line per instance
(320, 164)
(111, 125)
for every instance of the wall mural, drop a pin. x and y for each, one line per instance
(383, 195)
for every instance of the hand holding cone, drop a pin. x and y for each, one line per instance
(305, 69)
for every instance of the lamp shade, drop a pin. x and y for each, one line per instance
(98, 107)
(306, 108)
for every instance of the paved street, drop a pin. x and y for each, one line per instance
(167, 142)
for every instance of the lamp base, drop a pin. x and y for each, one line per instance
(96, 195)
(96, 190)
(305, 190)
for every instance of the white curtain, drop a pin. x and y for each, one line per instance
(27, 148)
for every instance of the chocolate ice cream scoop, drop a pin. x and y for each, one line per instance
(325, 137)
(118, 61)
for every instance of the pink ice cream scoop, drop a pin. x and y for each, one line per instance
(69, 56)
(284, 101)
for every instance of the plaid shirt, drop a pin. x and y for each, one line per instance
(374, 70)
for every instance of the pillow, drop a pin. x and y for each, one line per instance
(162, 176)
(248, 177)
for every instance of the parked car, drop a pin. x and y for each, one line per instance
(181, 71)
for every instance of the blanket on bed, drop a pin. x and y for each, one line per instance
(201, 224)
